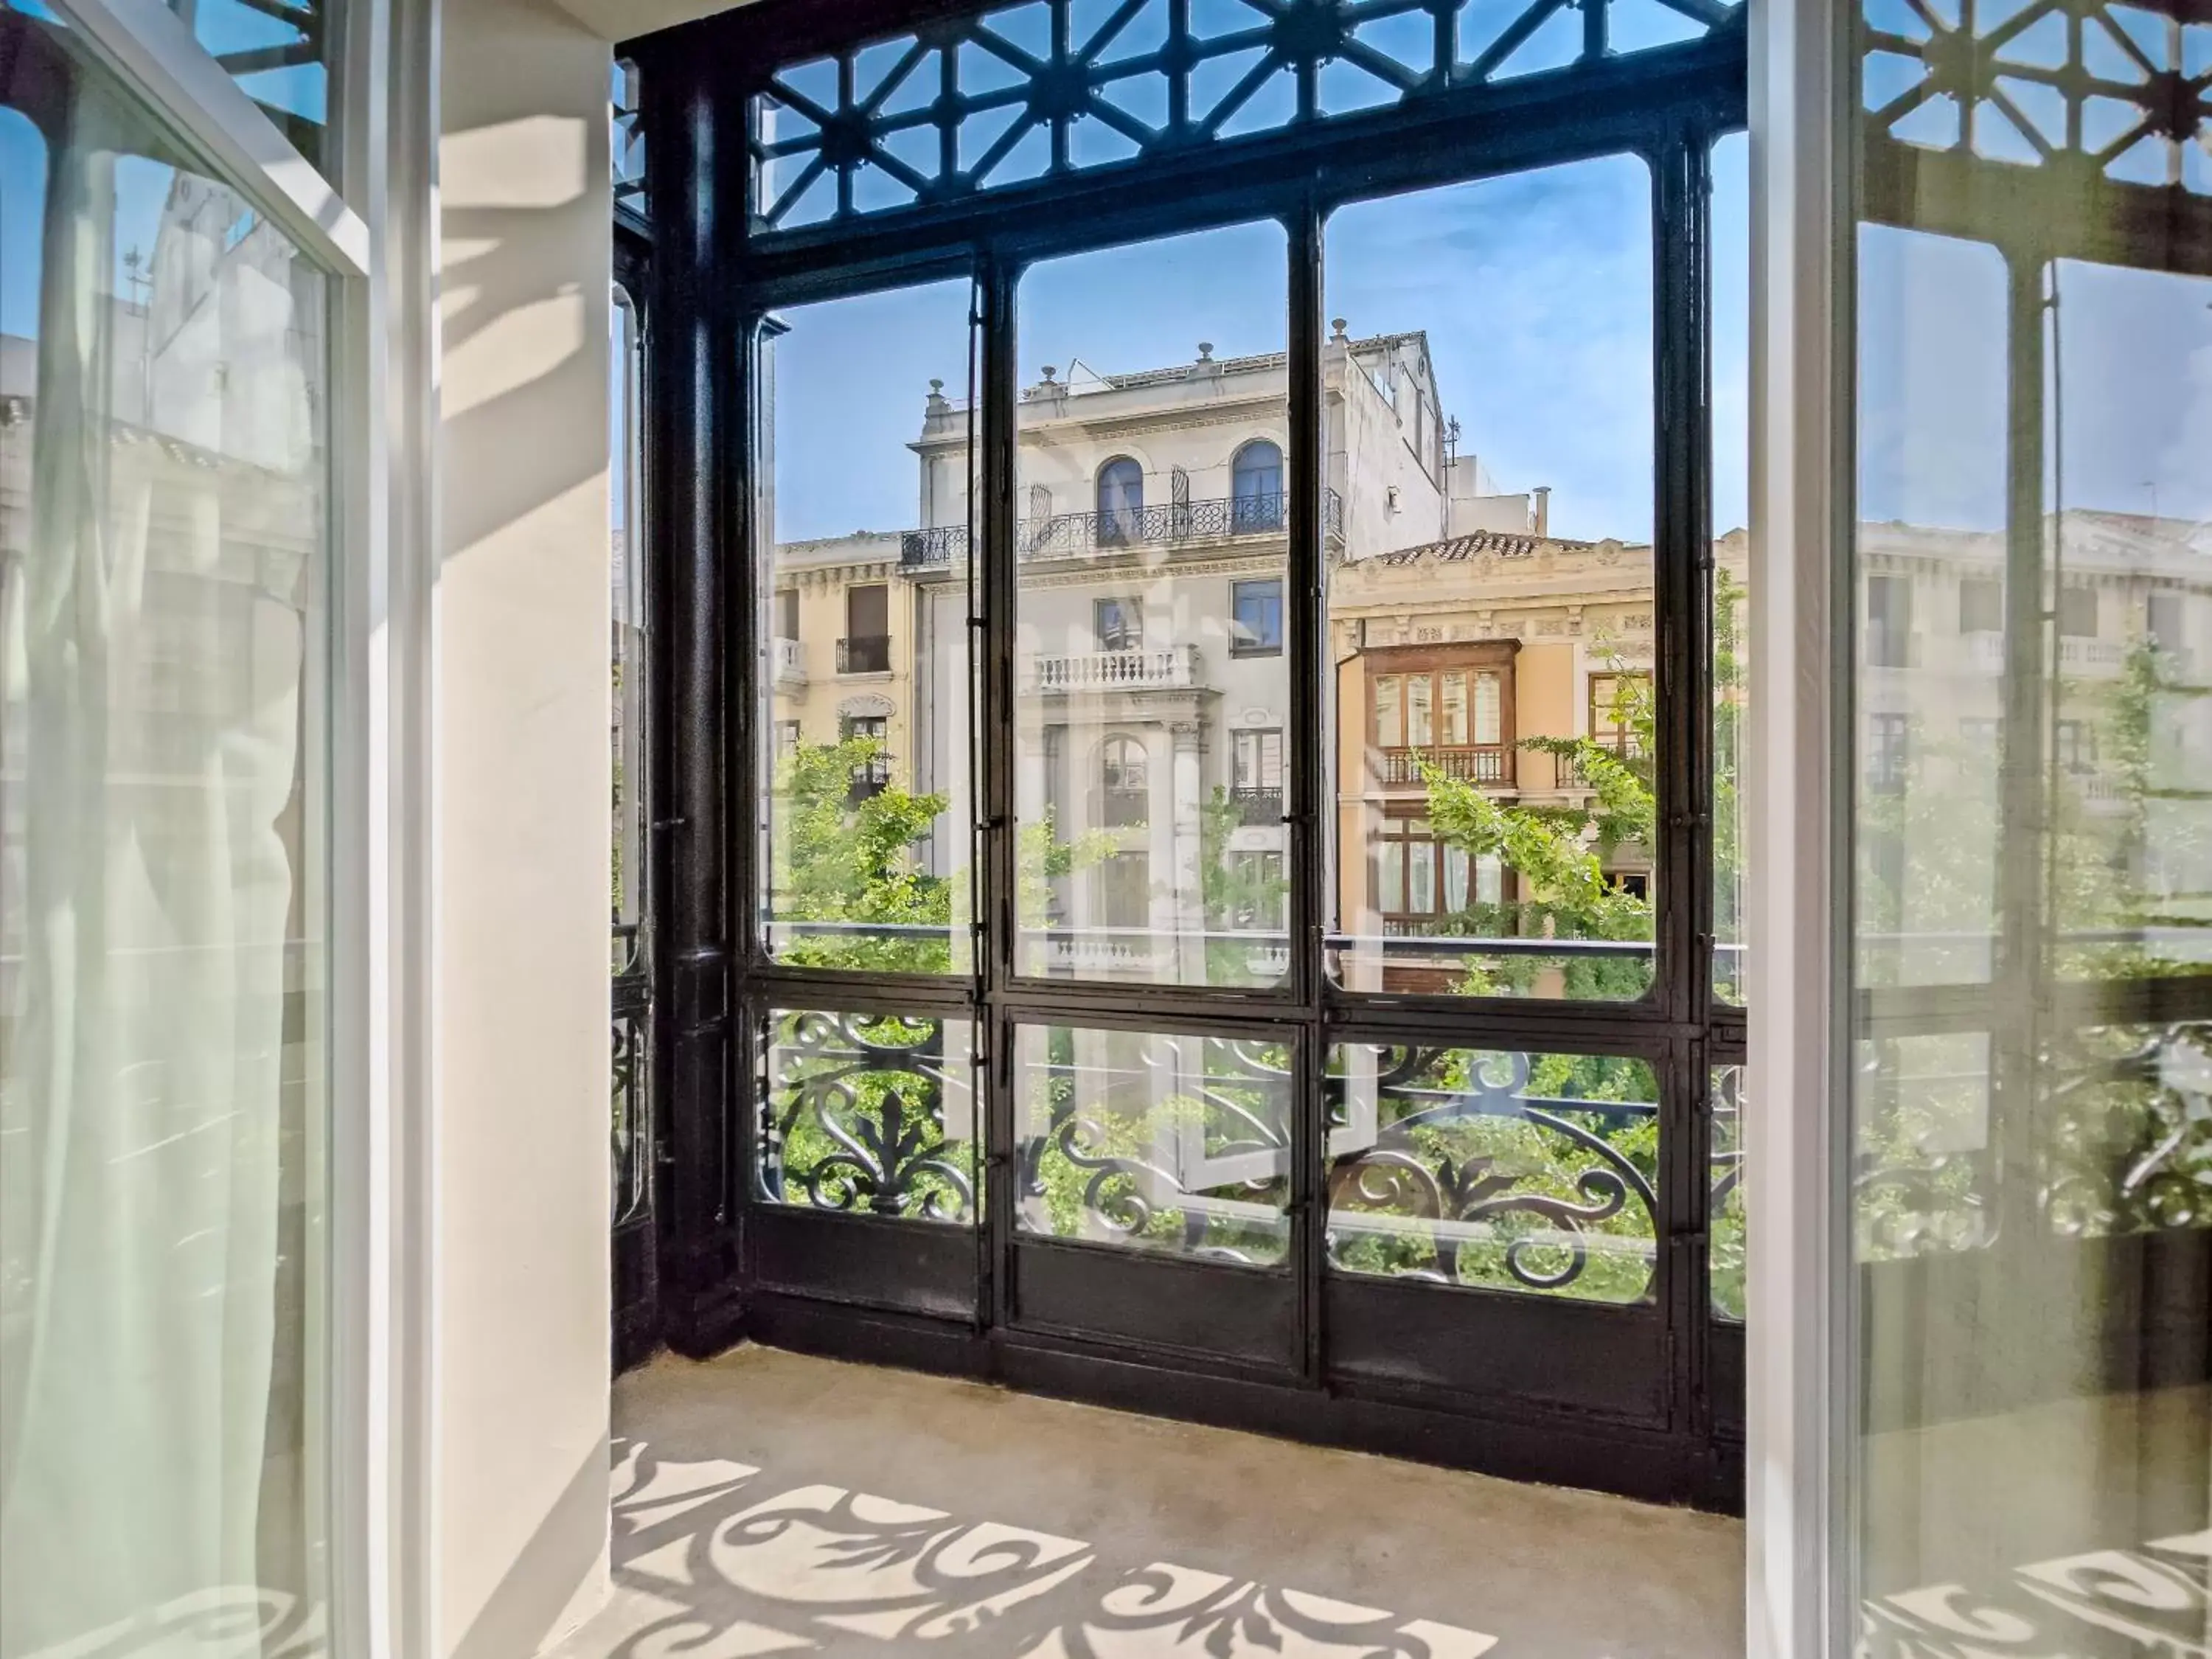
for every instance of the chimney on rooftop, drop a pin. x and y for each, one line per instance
(1543, 525)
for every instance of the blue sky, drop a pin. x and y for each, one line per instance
(1534, 291)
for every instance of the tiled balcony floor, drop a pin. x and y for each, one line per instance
(765, 1503)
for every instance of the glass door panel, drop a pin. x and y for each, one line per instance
(1151, 552)
(2031, 1101)
(864, 706)
(1491, 594)
(165, 773)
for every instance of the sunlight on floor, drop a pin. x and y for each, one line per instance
(766, 1504)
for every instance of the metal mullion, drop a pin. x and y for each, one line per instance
(1167, 1006)
(1682, 562)
(860, 993)
(1651, 1047)
(844, 278)
(1150, 1021)
(998, 886)
(2029, 695)
(1309, 774)
(1682, 566)
(1594, 1027)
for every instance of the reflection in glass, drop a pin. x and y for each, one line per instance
(2128, 773)
(1154, 1141)
(631, 1065)
(279, 54)
(1151, 551)
(164, 768)
(1508, 1171)
(1730, 591)
(1725, 1261)
(865, 666)
(1490, 600)
(1930, 716)
(2031, 1100)
(871, 1114)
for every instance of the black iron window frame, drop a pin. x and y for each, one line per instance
(729, 1268)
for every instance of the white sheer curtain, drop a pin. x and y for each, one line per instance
(160, 1061)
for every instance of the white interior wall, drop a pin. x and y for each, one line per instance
(519, 1260)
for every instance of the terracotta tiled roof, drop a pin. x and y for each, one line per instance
(1481, 543)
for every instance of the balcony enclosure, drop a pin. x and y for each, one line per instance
(1232, 931)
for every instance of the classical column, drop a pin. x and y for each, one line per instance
(1186, 899)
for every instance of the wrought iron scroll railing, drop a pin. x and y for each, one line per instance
(972, 104)
(1457, 1166)
(868, 1114)
(1067, 535)
(1177, 1144)
(630, 1071)
(1256, 806)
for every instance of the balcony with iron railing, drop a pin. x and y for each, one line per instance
(864, 653)
(1257, 806)
(1156, 668)
(1486, 762)
(1065, 535)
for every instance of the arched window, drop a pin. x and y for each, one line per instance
(1120, 502)
(1123, 798)
(1255, 487)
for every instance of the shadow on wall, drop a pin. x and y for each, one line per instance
(523, 341)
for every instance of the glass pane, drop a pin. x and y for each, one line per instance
(1155, 1141)
(1146, 523)
(165, 578)
(869, 1113)
(632, 1069)
(865, 671)
(1492, 449)
(1731, 577)
(2032, 1104)
(1931, 507)
(1507, 1171)
(1725, 1259)
(2129, 767)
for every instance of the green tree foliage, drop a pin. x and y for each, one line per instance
(1560, 854)
(1236, 895)
(839, 856)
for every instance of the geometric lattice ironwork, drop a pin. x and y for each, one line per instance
(2097, 89)
(1050, 88)
(278, 51)
(626, 137)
